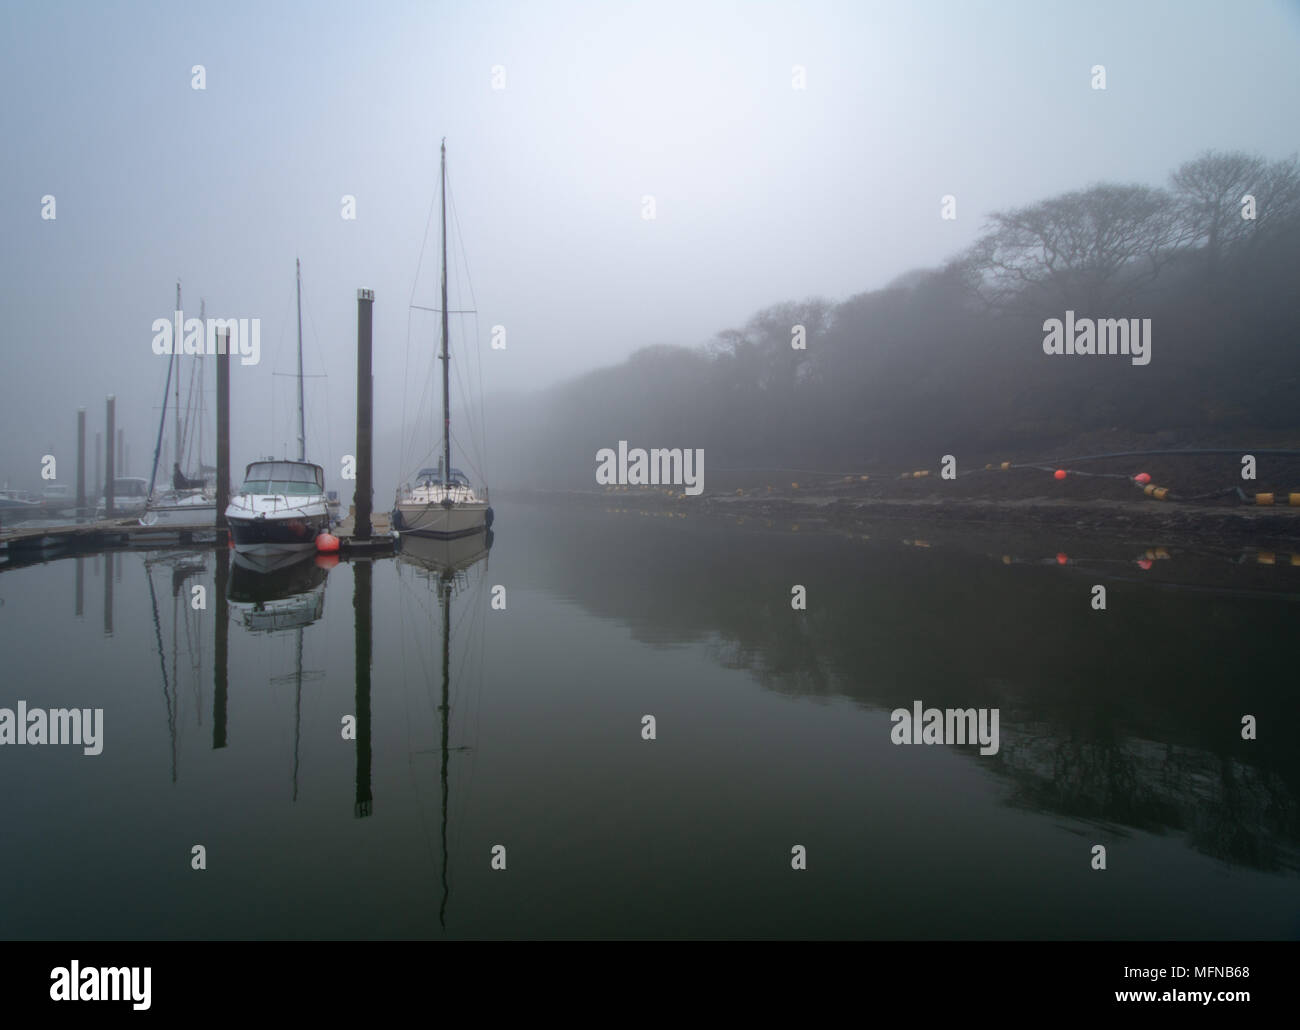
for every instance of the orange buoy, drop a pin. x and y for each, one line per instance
(1062, 558)
(327, 543)
(1060, 473)
(1142, 478)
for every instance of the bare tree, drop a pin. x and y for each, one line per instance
(1101, 245)
(1209, 191)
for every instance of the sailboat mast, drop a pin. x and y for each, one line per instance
(167, 386)
(202, 321)
(302, 429)
(176, 351)
(446, 358)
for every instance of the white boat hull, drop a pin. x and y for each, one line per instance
(272, 525)
(435, 520)
(181, 513)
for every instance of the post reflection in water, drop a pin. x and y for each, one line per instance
(447, 567)
(221, 651)
(108, 593)
(361, 602)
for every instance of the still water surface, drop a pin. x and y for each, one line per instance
(1119, 728)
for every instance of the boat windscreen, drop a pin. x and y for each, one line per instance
(433, 477)
(283, 477)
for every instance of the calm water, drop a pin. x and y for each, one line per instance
(1119, 728)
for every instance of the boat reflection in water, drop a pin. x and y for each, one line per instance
(286, 595)
(291, 597)
(453, 568)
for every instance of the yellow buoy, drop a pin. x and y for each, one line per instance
(1264, 499)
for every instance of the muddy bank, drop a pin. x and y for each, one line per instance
(1140, 518)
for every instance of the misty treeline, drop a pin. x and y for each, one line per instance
(951, 360)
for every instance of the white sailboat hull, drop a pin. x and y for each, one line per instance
(434, 520)
(172, 511)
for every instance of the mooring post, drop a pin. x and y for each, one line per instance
(81, 466)
(108, 456)
(363, 498)
(223, 433)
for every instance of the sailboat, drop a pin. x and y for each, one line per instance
(281, 508)
(185, 503)
(441, 503)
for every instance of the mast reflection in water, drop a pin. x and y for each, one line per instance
(449, 568)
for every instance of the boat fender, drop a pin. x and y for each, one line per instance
(491, 515)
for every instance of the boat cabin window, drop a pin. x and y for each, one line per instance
(433, 477)
(283, 477)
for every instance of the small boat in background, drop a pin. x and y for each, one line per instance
(130, 497)
(186, 503)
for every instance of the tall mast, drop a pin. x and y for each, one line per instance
(176, 351)
(446, 388)
(162, 419)
(204, 322)
(302, 429)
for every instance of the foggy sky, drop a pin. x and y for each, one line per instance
(763, 192)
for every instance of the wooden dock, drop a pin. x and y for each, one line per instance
(380, 544)
(29, 545)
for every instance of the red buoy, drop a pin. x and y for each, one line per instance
(1060, 473)
(327, 543)
(1144, 563)
(1142, 479)
(1062, 558)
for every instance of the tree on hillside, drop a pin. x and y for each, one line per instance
(1085, 249)
(760, 355)
(1208, 191)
